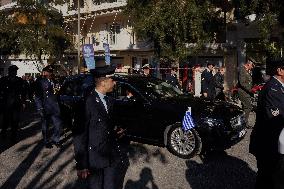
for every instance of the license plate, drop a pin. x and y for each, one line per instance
(242, 133)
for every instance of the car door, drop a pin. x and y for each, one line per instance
(131, 113)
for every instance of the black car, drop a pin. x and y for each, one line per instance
(154, 112)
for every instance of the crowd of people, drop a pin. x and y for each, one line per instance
(101, 152)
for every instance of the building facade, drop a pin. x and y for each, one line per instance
(103, 22)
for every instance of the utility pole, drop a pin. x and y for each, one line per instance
(79, 36)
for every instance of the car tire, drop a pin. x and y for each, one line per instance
(183, 144)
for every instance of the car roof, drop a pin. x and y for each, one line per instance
(132, 79)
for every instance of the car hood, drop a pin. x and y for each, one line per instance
(200, 107)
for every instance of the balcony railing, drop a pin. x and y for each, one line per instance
(89, 6)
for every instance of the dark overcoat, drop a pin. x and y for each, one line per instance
(96, 146)
(45, 99)
(265, 135)
(269, 119)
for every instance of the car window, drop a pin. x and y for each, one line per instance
(162, 89)
(123, 91)
(72, 88)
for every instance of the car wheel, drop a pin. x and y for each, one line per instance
(183, 144)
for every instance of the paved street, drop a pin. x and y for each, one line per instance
(27, 164)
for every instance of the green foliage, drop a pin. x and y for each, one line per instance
(173, 25)
(34, 29)
(269, 16)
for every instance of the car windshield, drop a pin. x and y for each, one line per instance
(162, 89)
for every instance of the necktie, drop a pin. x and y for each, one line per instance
(107, 102)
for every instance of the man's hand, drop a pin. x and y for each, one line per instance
(83, 174)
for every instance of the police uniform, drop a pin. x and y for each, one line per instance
(264, 137)
(12, 98)
(48, 107)
(207, 83)
(97, 148)
(244, 90)
(146, 66)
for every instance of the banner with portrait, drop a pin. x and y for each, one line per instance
(107, 53)
(88, 54)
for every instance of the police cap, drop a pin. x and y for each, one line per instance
(272, 64)
(105, 71)
(48, 68)
(13, 68)
(252, 60)
(146, 66)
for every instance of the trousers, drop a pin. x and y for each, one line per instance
(108, 178)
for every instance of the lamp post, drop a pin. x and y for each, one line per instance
(79, 36)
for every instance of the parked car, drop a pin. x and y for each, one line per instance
(154, 114)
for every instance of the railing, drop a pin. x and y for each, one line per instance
(93, 5)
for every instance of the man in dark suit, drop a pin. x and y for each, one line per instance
(12, 100)
(269, 123)
(47, 106)
(207, 82)
(98, 154)
(172, 78)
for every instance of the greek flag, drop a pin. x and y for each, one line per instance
(187, 122)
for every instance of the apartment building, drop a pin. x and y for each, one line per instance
(102, 21)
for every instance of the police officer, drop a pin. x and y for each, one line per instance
(207, 82)
(146, 70)
(100, 159)
(47, 106)
(245, 85)
(12, 97)
(172, 78)
(269, 123)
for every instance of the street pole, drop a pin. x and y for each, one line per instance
(79, 36)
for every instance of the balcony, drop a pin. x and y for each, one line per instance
(91, 6)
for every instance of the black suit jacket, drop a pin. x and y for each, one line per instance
(207, 83)
(96, 146)
(173, 80)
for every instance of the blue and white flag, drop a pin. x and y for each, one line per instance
(187, 122)
(107, 53)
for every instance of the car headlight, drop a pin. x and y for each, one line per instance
(211, 122)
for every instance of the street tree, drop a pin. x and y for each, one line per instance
(269, 16)
(173, 26)
(33, 28)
